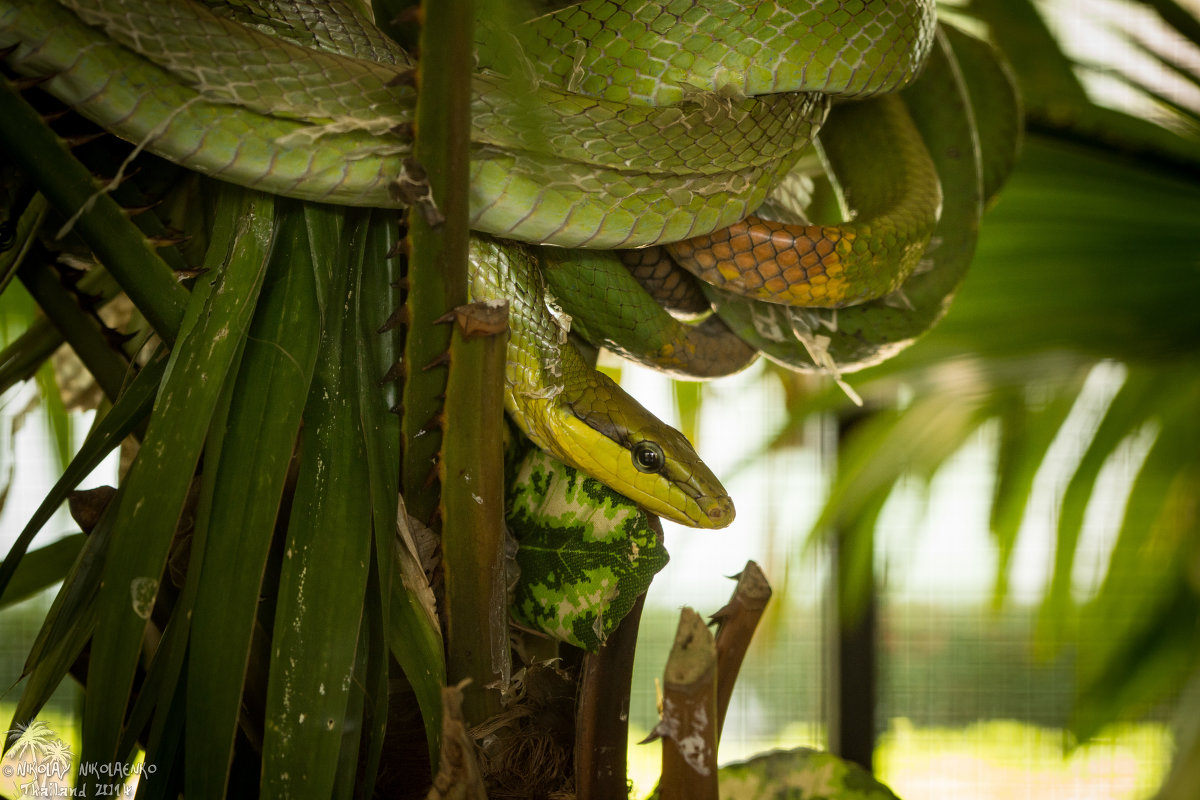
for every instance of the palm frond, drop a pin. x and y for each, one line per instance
(1087, 259)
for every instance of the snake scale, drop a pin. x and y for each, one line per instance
(622, 124)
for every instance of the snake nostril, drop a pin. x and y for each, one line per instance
(721, 511)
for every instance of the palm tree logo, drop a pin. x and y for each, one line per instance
(36, 755)
(28, 740)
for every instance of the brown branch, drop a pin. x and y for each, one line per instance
(689, 708)
(736, 623)
(602, 719)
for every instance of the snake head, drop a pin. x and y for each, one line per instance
(644, 459)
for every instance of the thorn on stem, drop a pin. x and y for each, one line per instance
(399, 248)
(398, 318)
(134, 211)
(117, 338)
(170, 240)
(79, 140)
(440, 360)
(394, 373)
(51, 117)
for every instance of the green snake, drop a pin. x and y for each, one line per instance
(621, 124)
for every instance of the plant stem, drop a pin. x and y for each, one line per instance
(737, 621)
(438, 237)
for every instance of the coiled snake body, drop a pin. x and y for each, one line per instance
(623, 123)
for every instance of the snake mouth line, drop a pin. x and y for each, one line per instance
(719, 510)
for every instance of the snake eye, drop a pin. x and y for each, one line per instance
(648, 457)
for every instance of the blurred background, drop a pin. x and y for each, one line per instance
(987, 581)
(1008, 527)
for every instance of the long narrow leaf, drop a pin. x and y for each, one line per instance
(42, 568)
(1064, 217)
(132, 407)
(326, 557)
(81, 329)
(1130, 409)
(1026, 433)
(412, 636)
(68, 624)
(275, 373)
(69, 186)
(1137, 641)
(155, 489)
(374, 676)
(890, 445)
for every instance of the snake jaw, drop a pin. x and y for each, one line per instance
(682, 490)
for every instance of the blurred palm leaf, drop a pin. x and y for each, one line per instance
(1089, 258)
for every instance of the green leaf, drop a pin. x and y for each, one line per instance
(164, 750)
(1130, 409)
(58, 420)
(152, 496)
(24, 236)
(688, 396)
(412, 635)
(801, 773)
(67, 627)
(69, 186)
(326, 557)
(1183, 21)
(1137, 637)
(121, 420)
(1181, 783)
(889, 445)
(81, 329)
(1151, 657)
(1026, 433)
(352, 729)
(372, 674)
(585, 552)
(1053, 266)
(1047, 76)
(41, 568)
(275, 372)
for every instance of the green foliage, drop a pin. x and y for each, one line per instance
(41, 569)
(800, 774)
(228, 502)
(1088, 257)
